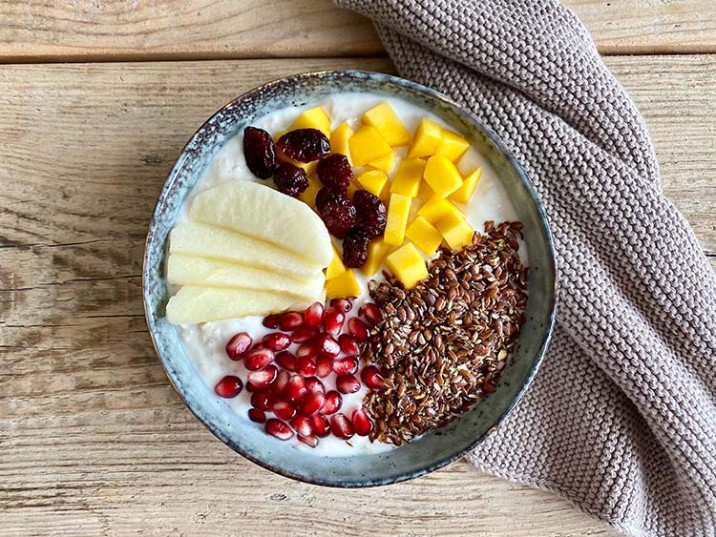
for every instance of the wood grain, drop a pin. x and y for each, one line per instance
(117, 30)
(93, 440)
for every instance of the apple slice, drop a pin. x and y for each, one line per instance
(201, 271)
(200, 240)
(266, 214)
(193, 304)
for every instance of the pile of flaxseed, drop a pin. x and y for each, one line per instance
(442, 344)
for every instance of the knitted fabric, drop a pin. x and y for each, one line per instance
(621, 418)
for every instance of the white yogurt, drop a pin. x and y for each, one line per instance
(206, 342)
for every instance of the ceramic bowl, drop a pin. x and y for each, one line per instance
(434, 449)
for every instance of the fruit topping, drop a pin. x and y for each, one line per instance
(276, 341)
(262, 378)
(355, 248)
(290, 179)
(229, 386)
(341, 426)
(304, 145)
(238, 345)
(336, 210)
(260, 152)
(334, 401)
(263, 400)
(284, 409)
(313, 403)
(372, 378)
(313, 315)
(279, 429)
(347, 384)
(335, 171)
(257, 359)
(320, 425)
(370, 312)
(289, 321)
(371, 214)
(286, 360)
(362, 424)
(349, 345)
(358, 329)
(345, 366)
(342, 304)
(256, 415)
(333, 320)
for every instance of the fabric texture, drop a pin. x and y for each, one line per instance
(621, 418)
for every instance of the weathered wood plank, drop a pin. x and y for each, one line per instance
(45, 30)
(93, 441)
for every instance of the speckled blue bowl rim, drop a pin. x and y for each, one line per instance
(355, 76)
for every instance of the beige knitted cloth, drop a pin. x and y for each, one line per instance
(621, 418)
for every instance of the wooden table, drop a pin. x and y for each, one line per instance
(93, 440)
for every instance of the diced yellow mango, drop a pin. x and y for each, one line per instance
(384, 118)
(442, 175)
(374, 181)
(335, 267)
(408, 177)
(424, 235)
(367, 145)
(452, 146)
(309, 195)
(343, 285)
(407, 265)
(456, 231)
(377, 250)
(425, 193)
(314, 118)
(398, 212)
(339, 140)
(436, 208)
(469, 184)
(386, 163)
(427, 138)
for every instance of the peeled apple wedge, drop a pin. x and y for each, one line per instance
(193, 304)
(200, 271)
(201, 240)
(258, 211)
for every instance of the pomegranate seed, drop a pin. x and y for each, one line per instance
(305, 366)
(327, 346)
(238, 345)
(310, 440)
(256, 415)
(334, 401)
(342, 304)
(345, 366)
(289, 321)
(324, 366)
(257, 359)
(230, 386)
(320, 425)
(358, 329)
(279, 429)
(372, 377)
(333, 321)
(296, 389)
(362, 424)
(271, 321)
(347, 384)
(262, 399)
(313, 315)
(277, 341)
(308, 350)
(341, 426)
(286, 360)
(284, 409)
(303, 333)
(371, 313)
(313, 403)
(302, 425)
(314, 385)
(263, 377)
(279, 385)
(348, 345)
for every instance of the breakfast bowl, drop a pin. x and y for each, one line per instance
(201, 162)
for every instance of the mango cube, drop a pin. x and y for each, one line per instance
(374, 181)
(386, 163)
(407, 265)
(424, 235)
(442, 175)
(398, 212)
(469, 184)
(377, 250)
(384, 118)
(408, 177)
(367, 145)
(455, 230)
(309, 195)
(436, 208)
(339, 140)
(427, 138)
(343, 285)
(425, 193)
(452, 146)
(314, 118)
(335, 267)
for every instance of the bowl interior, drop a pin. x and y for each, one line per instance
(434, 449)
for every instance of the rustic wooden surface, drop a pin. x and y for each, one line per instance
(101, 30)
(93, 440)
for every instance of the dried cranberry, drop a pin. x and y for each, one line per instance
(304, 145)
(355, 248)
(260, 152)
(336, 210)
(290, 179)
(371, 214)
(335, 171)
